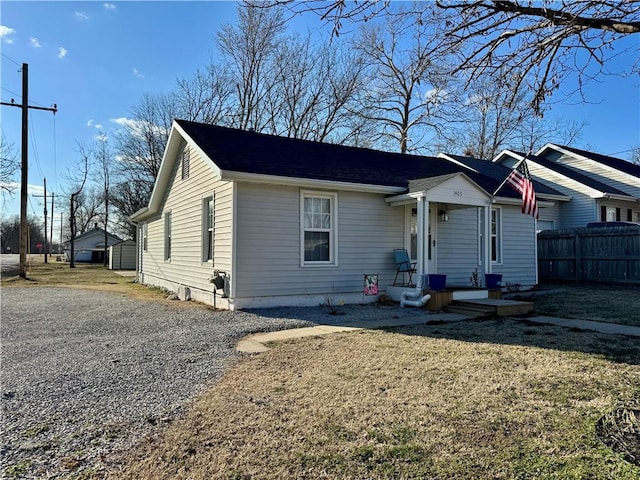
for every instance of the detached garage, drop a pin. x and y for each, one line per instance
(122, 256)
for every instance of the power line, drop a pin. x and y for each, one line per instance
(11, 59)
(35, 144)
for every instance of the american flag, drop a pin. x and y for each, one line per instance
(520, 179)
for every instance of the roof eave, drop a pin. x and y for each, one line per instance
(235, 176)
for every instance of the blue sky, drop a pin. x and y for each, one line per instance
(95, 60)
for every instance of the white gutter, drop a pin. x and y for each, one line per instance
(413, 297)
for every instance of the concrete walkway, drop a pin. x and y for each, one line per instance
(258, 342)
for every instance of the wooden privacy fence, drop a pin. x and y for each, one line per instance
(609, 254)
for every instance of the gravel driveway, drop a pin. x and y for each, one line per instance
(86, 374)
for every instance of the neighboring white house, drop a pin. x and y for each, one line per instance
(280, 221)
(89, 246)
(601, 188)
(122, 256)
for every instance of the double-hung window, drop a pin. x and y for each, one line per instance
(167, 236)
(207, 229)
(318, 224)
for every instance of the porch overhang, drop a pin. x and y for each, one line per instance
(455, 188)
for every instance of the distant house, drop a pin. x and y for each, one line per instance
(600, 188)
(280, 221)
(89, 246)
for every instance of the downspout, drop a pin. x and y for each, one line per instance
(412, 296)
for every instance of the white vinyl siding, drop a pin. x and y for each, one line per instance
(609, 176)
(518, 248)
(268, 238)
(184, 200)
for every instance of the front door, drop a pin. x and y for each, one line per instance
(412, 236)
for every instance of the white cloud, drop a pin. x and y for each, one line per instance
(139, 128)
(109, 6)
(35, 43)
(94, 125)
(137, 74)
(5, 32)
(101, 137)
(62, 52)
(82, 17)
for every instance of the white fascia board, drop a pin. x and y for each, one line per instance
(518, 201)
(625, 198)
(405, 199)
(557, 198)
(551, 146)
(308, 182)
(506, 153)
(457, 162)
(139, 215)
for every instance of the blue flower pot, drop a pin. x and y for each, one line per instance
(493, 281)
(437, 282)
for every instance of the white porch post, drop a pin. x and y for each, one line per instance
(422, 216)
(487, 238)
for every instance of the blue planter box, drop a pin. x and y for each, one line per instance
(437, 282)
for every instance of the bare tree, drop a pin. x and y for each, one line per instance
(247, 49)
(104, 161)
(205, 97)
(139, 148)
(314, 90)
(635, 156)
(407, 93)
(544, 41)
(9, 165)
(77, 178)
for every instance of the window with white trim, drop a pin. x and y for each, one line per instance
(207, 229)
(144, 237)
(318, 228)
(167, 236)
(496, 235)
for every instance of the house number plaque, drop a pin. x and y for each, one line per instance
(457, 193)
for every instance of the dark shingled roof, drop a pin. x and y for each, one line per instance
(575, 175)
(499, 172)
(613, 162)
(257, 153)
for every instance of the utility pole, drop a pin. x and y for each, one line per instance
(46, 243)
(53, 196)
(25, 164)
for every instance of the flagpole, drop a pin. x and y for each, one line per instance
(513, 168)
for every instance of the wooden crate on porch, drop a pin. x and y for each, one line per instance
(495, 294)
(439, 299)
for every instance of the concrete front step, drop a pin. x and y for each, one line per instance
(489, 307)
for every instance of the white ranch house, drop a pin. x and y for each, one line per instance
(287, 222)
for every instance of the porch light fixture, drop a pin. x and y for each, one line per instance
(444, 215)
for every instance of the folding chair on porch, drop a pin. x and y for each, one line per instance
(404, 265)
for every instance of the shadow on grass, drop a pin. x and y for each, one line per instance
(513, 331)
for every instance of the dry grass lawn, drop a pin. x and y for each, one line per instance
(484, 400)
(494, 399)
(84, 276)
(604, 303)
